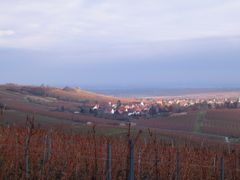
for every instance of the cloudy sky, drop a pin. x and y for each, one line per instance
(127, 43)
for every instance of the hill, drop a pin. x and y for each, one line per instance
(61, 103)
(66, 93)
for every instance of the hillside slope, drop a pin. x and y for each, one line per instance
(65, 94)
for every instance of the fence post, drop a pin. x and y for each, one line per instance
(131, 168)
(26, 154)
(156, 158)
(222, 169)
(237, 164)
(109, 162)
(214, 166)
(29, 127)
(177, 166)
(46, 154)
(95, 154)
(139, 164)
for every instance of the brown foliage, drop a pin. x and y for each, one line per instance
(56, 154)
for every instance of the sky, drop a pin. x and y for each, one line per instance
(119, 44)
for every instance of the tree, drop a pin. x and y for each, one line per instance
(119, 103)
(153, 110)
(62, 108)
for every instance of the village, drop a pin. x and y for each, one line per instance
(65, 100)
(152, 107)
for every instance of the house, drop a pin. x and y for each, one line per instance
(133, 123)
(122, 124)
(112, 111)
(96, 107)
(122, 110)
(226, 140)
(89, 123)
(238, 104)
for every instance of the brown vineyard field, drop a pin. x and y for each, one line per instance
(52, 143)
(34, 153)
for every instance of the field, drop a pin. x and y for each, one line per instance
(35, 153)
(39, 142)
(223, 122)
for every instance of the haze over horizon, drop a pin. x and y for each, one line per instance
(110, 44)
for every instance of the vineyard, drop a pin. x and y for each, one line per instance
(34, 153)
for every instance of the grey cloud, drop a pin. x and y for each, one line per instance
(50, 23)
